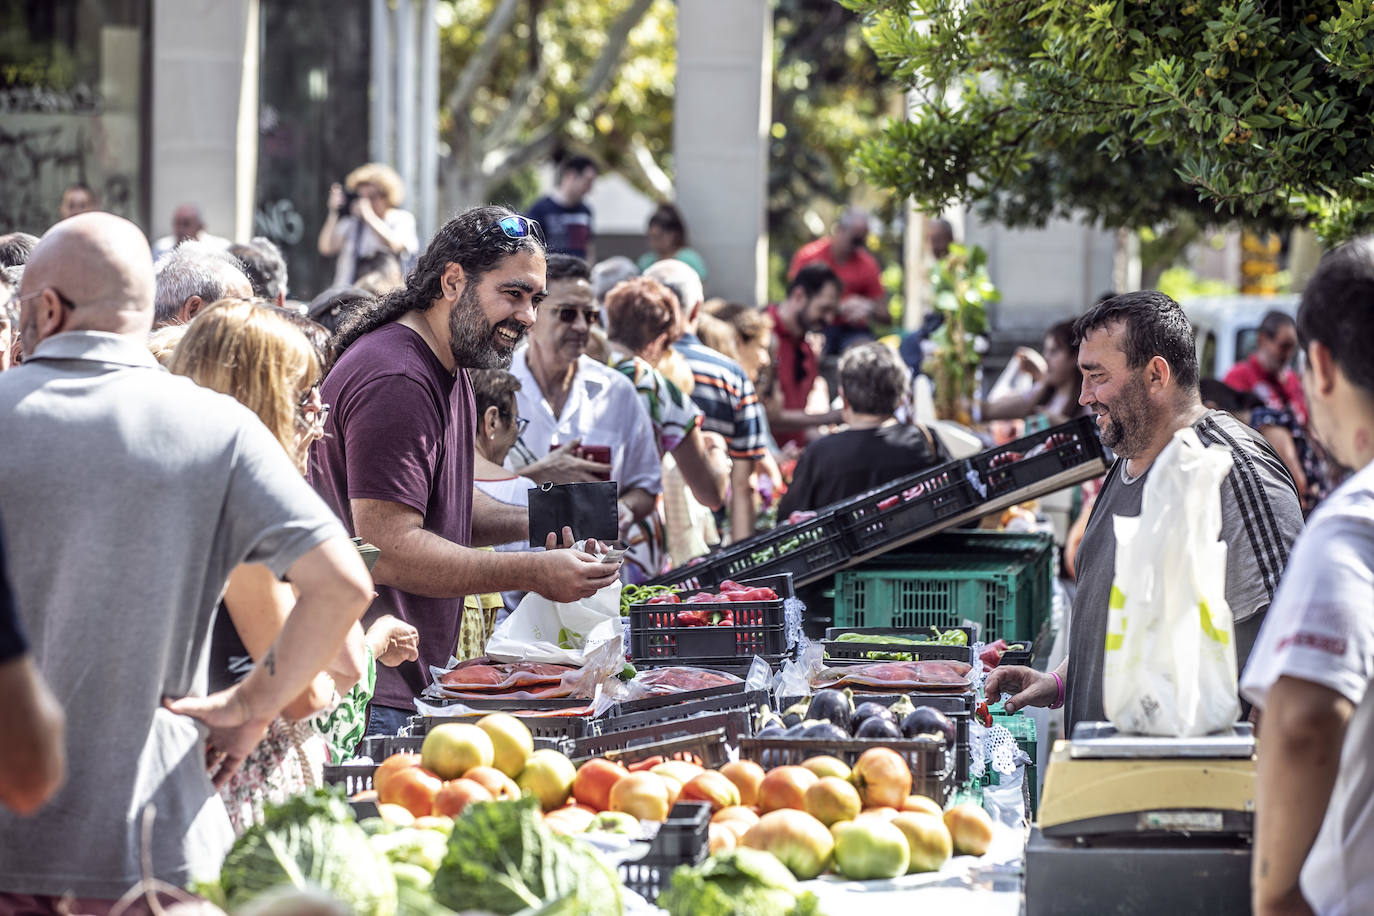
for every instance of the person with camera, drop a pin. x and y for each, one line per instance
(365, 219)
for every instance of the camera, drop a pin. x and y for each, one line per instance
(348, 199)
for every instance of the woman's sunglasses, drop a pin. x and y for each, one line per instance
(516, 227)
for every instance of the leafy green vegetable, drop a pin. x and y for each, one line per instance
(502, 858)
(310, 840)
(413, 897)
(413, 846)
(737, 882)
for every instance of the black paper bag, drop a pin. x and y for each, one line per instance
(588, 508)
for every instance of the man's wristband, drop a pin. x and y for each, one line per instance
(1059, 699)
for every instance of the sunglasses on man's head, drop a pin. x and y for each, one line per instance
(516, 227)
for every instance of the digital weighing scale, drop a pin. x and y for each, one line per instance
(1132, 824)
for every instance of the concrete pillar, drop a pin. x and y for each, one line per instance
(722, 115)
(426, 201)
(205, 110)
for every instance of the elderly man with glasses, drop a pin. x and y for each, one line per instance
(396, 460)
(586, 421)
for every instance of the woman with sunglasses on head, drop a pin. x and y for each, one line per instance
(244, 350)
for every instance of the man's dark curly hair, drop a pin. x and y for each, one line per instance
(1154, 326)
(470, 240)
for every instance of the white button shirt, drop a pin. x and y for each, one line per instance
(603, 408)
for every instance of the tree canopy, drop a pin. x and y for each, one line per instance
(522, 79)
(1133, 112)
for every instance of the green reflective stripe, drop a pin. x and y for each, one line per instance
(1117, 600)
(1206, 614)
(1114, 641)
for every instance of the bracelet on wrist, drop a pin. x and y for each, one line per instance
(1059, 682)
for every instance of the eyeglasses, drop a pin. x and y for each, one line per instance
(13, 303)
(311, 413)
(520, 424)
(516, 227)
(568, 314)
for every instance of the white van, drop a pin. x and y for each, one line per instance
(1227, 326)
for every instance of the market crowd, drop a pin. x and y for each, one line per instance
(189, 456)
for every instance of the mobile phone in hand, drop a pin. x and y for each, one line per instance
(598, 453)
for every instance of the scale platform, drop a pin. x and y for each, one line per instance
(1139, 824)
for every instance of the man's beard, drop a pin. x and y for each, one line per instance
(1129, 421)
(472, 340)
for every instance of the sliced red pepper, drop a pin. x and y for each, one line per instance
(983, 715)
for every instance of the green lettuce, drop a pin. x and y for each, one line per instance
(310, 840)
(737, 882)
(502, 858)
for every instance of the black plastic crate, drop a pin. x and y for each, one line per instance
(930, 761)
(554, 728)
(760, 628)
(1039, 456)
(839, 653)
(683, 839)
(1016, 658)
(809, 550)
(706, 738)
(660, 700)
(689, 709)
(957, 706)
(895, 512)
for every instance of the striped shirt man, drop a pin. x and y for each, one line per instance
(1261, 518)
(727, 399)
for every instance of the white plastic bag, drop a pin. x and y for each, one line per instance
(1170, 663)
(540, 630)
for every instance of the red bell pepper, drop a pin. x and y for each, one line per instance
(991, 655)
(665, 599)
(701, 598)
(885, 504)
(983, 715)
(691, 618)
(755, 594)
(730, 585)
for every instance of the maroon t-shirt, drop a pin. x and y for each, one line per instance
(401, 428)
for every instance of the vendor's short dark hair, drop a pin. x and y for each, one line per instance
(1273, 322)
(1338, 310)
(873, 379)
(1154, 326)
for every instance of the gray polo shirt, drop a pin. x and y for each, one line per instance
(129, 494)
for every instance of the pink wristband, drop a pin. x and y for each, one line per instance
(1059, 700)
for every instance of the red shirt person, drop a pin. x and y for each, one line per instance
(1266, 373)
(813, 297)
(863, 299)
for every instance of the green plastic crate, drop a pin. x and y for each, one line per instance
(1003, 582)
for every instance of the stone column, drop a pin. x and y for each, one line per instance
(204, 112)
(722, 115)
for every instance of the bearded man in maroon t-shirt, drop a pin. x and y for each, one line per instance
(396, 461)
